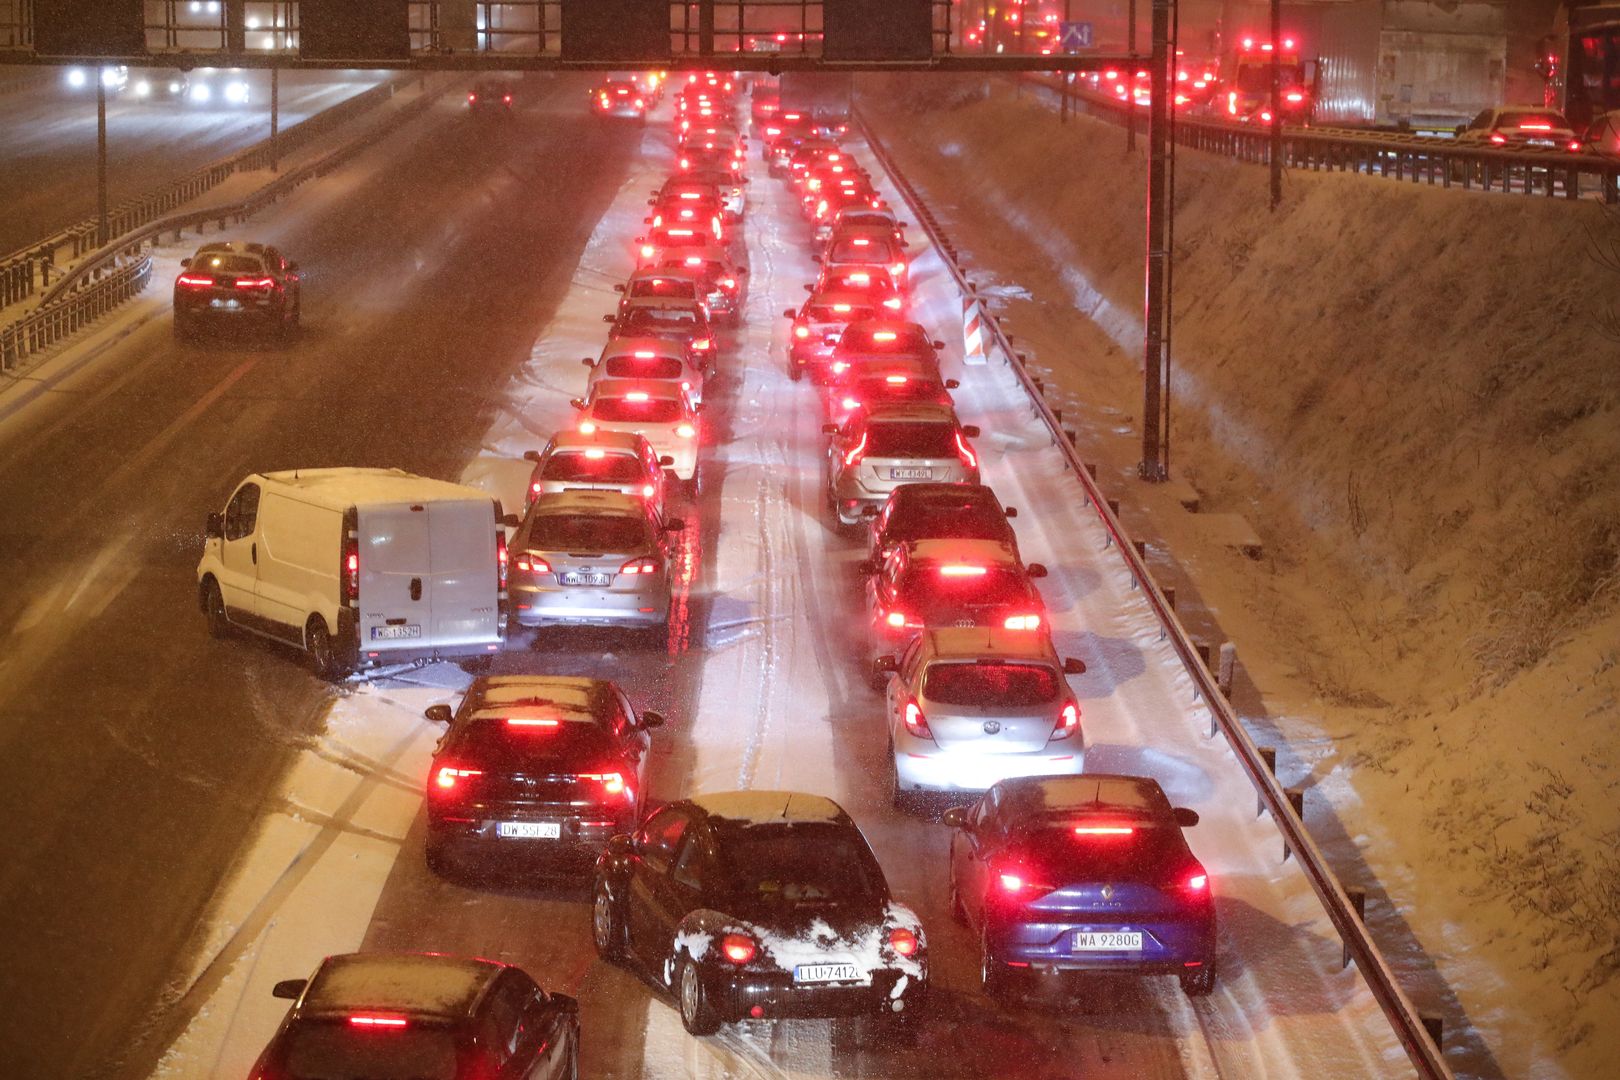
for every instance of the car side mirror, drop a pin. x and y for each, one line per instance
(511, 521)
(439, 714)
(532, 455)
(790, 314)
(578, 403)
(953, 384)
(1012, 511)
(622, 844)
(816, 257)
(1185, 817)
(809, 287)
(1072, 666)
(650, 719)
(675, 524)
(609, 318)
(829, 429)
(569, 1006)
(646, 221)
(904, 225)
(588, 361)
(937, 344)
(187, 260)
(641, 239)
(214, 529)
(289, 988)
(885, 665)
(1036, 570)
(971, 430)
(619, 287)
(869, 511)
(652, 202)
(665, 461)
(956, 817)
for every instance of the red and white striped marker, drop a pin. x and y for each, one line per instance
(973, 331)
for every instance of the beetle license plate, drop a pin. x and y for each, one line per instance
(587, 579)
(1108, 942)
(395, 633)
(910, 474)
(529, 830)
(826, 973)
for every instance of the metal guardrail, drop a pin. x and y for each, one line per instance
(1358, 944)
(1416, 158)
(118, 271)
(28, 270)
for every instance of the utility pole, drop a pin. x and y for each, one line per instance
(1130, 81)
(1161, 86)
(275, 118)
(1065, 77)
(1276, 103)
(102, 237)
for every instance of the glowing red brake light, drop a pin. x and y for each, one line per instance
(896, 619)
(685, 431)
(533, 722)
(915, 721)
(1198, 882)
(196, 281)
(1022, 622)
(449, 776)
(738, 948)
(892, 303)
(1068, 721)
(1575, 145)
(850, 404)
(532, 564)
(1011, 883)
(896, 380)
(855, 452)
(636, 395)
(1535, 127)
(801, 332)
(640, 566)
(501, 564)
(1498, 138)
(841, 308)
(1295, 97)
(884, 336)
(378, 1021)
(1104, 830)
(861, 241)
(966, 453)
(613, 783)
(351, 568)
(962, 570)
(903, 941)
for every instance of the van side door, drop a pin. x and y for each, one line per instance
(238, 553)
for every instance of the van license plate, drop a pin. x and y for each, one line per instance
(587, 579)
(395, 633)
(1108, 942)
(529, 830)
(824, 973)
(910, 474)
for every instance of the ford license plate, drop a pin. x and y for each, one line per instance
(826, 973)
(587, 579)
(1085, 941)
(395, 633)
(529, 830)
(910, 474)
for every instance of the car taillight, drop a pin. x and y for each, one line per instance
(472, 97)
(1295, 97)
(449, 777)
(965, 452)
(196, 281)
(640, 566)
(839, 367)
(702, 345)
(1014, 883)
(1197, 883)
(801, 331)
(507, 98)
(639, 103)
(855, 452)
(903, 941)
(587, 427)
(738, 948)
(613, 783)
(1022, 622)
(351, 568)
(533, 564)
(915, 721)
(897, 269)
(685, 431)
(896, 619)
(962, 570)
(647, 251)
(892, 303)
(501, 561)
(1068, 721)
(647, 491)
(850, 404)
(378, 1021)
(1498, 138)
(1575, 145)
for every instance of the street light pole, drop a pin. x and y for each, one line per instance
(102, 237)
(1130, 80)
(1161, 86)
(1276, 103)
(275, 118)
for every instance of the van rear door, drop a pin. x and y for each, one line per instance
(465, 575)
(395, 576)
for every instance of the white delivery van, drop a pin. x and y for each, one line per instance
(358, 567)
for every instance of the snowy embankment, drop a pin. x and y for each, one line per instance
(1410, 393)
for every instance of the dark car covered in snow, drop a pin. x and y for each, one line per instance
(759, 905)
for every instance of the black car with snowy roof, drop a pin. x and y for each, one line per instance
(535, 765)
(427, 1017)
(232, 282)
(916, 512)
(759, 905)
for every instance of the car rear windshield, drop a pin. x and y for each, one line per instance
(910, 440)
(948, 518)
(587, 533)
(1150, 853)
(228, 264)
(631, 367)
(625, 411)
(857, 249)
(337, 1050)
(664, 318)
(830, 313)
(1545, 121)
(607, 469)
(492, 742)
(798, 863)
(685, 288)
(981, 685)
(875, 390)
(938, 596)
(906, 339)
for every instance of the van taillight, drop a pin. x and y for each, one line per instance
(500, 560)
(351, 569)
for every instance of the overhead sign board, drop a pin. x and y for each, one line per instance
(626, 30)
(1073, 36)
(356, 30)
(891, 30)
(89, 27)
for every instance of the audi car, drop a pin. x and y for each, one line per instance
(533, 768)
(421, 1015)
(620, 98)
(235, 283)
(1082, 873)
(759, 905)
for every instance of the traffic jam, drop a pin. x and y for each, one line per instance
(733, 905)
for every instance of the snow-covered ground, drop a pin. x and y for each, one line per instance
(1410, 394)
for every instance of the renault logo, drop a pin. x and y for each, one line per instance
(992, 726)
(1107, 892)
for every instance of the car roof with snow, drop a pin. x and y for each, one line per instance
(559, 697)
(653, 388)
(750, 808)
(341, 488)
(605, 503)
(1045, 796)
(911, 412)
(950, 644)
(987, 552)
(629, 346)
(418, 984)
(613, 442)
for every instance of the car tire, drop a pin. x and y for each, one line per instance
(993, 975)
(323, 652)
(607, 925)
(477, 665)
(697, 1014)
(904, 801)
(693, 486)
(213, 603)
(958, 909)
(795, 372)
(1200, 982)
(438, 860)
